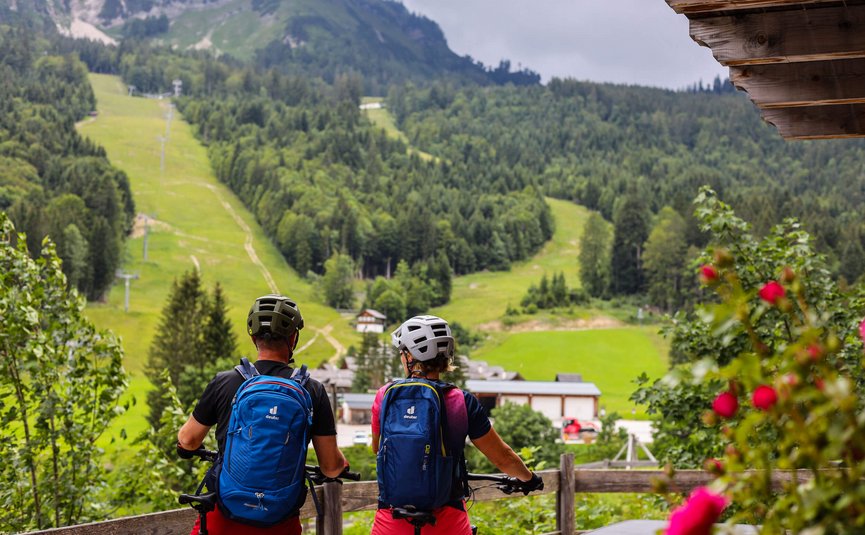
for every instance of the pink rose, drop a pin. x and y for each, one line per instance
(697, 515)
(764, 397)
(725, 405)
(771, 292)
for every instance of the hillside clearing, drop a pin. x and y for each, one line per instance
(191, 218)
(483, 297)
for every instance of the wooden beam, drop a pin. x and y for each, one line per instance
(813, 83)
(818, 122)
(816, 34)
(692, 7)
(565, 521)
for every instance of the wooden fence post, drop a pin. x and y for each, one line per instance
(565, 497)
(332, 508)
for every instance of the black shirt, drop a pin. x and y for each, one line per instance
(214, 407)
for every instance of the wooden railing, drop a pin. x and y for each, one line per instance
(337, 499)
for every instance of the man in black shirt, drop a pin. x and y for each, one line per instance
(273, 323)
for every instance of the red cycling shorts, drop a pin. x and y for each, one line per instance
(449, 521)
(219, 525)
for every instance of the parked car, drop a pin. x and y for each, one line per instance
(362, 438)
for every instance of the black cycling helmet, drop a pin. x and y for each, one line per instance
(274, 314)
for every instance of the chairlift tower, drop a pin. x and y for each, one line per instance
(126, 277)
(178, 88)
(132, 89)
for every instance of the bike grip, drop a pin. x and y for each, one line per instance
(184, 453)
(187, 498)
(354, 476)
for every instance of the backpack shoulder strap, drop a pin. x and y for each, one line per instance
(301, 375)
(246, 370)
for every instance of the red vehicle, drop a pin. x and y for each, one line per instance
(575, 430)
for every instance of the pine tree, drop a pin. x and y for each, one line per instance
(178, 341)
(630, 233)
(219, 342)
(559, 290)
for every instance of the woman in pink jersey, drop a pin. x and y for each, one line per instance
(426, 348)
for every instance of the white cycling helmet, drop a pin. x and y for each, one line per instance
(424, 337)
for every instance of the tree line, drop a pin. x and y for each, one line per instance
(54, 182)
(629, 152)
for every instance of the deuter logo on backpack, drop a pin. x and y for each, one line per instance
(260, 480)
(414, 466)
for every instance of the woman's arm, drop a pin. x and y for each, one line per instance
(501, 455)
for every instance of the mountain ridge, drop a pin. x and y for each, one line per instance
(379, 39)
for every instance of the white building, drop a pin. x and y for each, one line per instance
(371, 321)
(554, 399)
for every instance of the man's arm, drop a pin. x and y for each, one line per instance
(501, 455)
(192, 434)
(376, 438)
(330, 459)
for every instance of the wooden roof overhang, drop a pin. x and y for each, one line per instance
(802, 62)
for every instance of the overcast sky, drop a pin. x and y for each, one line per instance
(625, 41)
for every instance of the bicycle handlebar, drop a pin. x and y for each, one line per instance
(506, 484)
(314, 472)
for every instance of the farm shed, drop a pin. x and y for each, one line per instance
(371, 321)
(356, 409)
(555, 399)
(802, 62)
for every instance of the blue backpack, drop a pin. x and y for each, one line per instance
(260, 475)
(414, 464)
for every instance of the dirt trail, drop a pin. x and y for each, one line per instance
(250, 250)
(324, 332)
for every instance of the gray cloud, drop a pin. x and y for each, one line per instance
(623, 41)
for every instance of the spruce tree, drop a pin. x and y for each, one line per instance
(178, 340)
(219, 342)
(630, 233)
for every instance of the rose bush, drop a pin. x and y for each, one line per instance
(777, 333)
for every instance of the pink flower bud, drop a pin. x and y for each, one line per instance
(764, 397)
(725, 405)
(862, 330)
(772, 292)
(708, 274)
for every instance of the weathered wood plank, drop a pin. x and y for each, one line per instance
(818, 122)
(333, 508)
(565, 521)
(816, 34)
(692, 7)
(177, 522)
(364, 495)
(812, 83)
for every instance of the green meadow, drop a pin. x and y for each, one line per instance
(483, 297)
(610, 358)
(196, 222)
